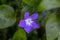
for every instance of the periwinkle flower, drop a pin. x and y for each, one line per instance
(29, 23)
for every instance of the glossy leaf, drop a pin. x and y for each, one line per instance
(19, 35)
(52, 27)
(48, 4)
(7, 16)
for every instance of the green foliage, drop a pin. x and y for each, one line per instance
(7, 16)
(48, 4)
(19, 35)
(12, 11)
(32, 2)
(52, 27)
(3, 1)
(58, 37)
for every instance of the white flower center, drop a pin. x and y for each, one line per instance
(28, 21)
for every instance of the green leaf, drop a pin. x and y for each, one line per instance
(19, 35)
(31, 2)
(7, 16)
(48, 4)
(52, 27)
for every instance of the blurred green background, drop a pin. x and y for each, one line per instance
(12, 11)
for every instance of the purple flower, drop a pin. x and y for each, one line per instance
(29, 23)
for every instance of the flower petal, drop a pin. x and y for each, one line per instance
(35, 25)
(34, 16)
(28, 29)
(22, 23)
(26, 15)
